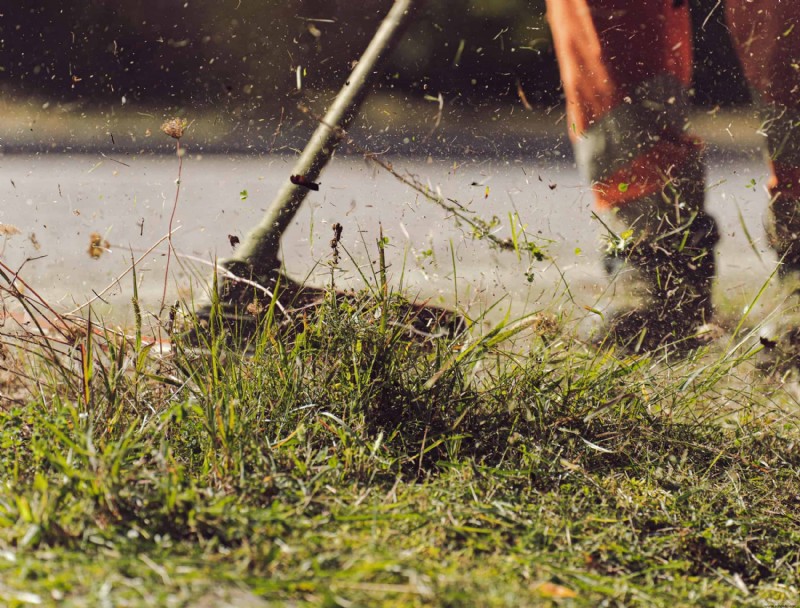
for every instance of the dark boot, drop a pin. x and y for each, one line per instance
(780, 335)
(783, 233)
(669, 246)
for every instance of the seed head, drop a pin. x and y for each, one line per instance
(97, 245)
(175, 127)
(8, 230)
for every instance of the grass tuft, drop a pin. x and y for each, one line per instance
(345, 459)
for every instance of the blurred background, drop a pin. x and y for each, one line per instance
(245, 63)
(469, 104)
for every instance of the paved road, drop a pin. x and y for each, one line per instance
(58, 200)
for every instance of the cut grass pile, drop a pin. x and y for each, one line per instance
(347, 463)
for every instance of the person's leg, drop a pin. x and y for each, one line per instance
(625, 68)
(766, 34)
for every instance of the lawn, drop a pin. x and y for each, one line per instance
(343, 459)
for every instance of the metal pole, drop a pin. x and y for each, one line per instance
(259, 249)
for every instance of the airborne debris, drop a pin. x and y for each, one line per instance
(459, 52)
(315, 19)
(522, 97)
(767, 343)
(97, 245)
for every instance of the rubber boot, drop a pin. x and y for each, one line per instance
(780, 336)
(783, 233)
(669, 246)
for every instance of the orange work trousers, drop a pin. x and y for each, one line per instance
(626, 67)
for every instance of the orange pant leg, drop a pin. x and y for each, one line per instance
(766, 34)
(625, 67)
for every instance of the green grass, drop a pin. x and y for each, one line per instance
(344, 463)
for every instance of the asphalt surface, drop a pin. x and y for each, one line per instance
(58, 200)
